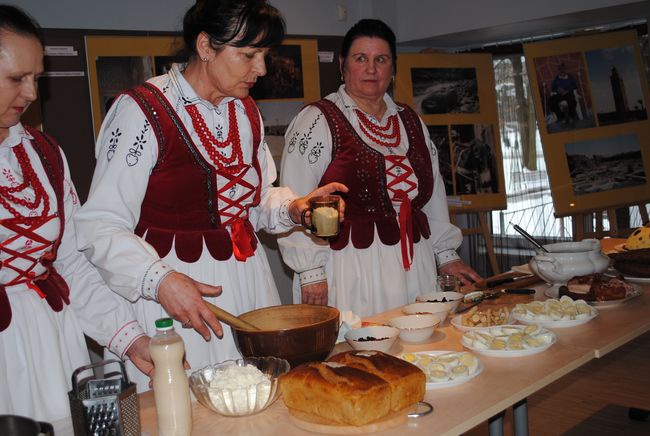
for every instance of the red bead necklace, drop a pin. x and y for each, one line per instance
(29, 179)
(388, 135)
(232, 164)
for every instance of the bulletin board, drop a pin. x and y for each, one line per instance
(455, 96)
(591, 95)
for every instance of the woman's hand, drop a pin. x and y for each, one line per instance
(314, 293)
(182, 298)
(461, 270)
(298, 205)
(139, 354)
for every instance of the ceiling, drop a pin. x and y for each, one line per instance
(544, 28)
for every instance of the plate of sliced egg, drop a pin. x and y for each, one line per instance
(445, 368)
(552, 313)
(509, 340)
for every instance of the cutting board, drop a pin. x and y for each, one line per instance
(316, 424)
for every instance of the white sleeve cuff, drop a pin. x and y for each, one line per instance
(152, 278)
(124, 337)
(445, 256)
(315, 275)
(285, 217)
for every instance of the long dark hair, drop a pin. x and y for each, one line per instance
(374, 29)
(15, 20)
(236, 23)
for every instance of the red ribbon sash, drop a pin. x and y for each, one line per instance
(405, 228)
(242, 246)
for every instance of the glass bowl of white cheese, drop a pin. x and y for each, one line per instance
(239, 387)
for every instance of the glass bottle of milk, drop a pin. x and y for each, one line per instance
(170, 385)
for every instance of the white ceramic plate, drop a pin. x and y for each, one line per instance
(554, 291)
(611, 272)
(449, 383)
(456, 322)
(556, 324)
(514, 353)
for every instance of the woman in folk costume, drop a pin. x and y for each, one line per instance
(183, 181)
(49, 294)
(396, 235)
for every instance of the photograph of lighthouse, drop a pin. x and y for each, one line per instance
(616, 85)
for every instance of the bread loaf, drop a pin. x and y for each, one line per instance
(336, 392)
(407, 382)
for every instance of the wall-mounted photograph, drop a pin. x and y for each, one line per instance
(616, 84)
(283, 75)
(475, 164)
(291, 73)
(599, 165)
(440, 137)
(118, 63)
(563, 87)
(445, 90)
(118, 73)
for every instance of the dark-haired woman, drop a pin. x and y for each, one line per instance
(396, 235)
(183, 181)
(50, 295)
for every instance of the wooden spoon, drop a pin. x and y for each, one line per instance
(231, 319)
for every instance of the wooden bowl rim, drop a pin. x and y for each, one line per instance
(333, 312)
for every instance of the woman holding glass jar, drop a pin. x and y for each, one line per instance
(396, 235)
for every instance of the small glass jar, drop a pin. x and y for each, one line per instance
(448, 283)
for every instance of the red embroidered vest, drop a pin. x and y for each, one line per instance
(180, 205)
(363, 170)
(51, 285)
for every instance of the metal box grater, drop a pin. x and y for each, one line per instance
(104, 407)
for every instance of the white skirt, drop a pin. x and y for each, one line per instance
(245, 286)
(38, 353)
(373, 280)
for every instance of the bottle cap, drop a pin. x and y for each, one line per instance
(164, 323)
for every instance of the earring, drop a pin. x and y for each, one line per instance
(204, 59)
(342, 78)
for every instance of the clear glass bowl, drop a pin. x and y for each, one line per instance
(240, 401)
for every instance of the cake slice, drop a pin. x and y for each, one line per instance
(596, 287)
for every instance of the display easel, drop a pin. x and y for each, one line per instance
(581, 231)
(483, 229)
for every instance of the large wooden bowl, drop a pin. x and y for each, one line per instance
(298, 333)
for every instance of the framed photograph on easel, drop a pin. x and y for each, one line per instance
(596, 140)
(117, 63)
(455, 96)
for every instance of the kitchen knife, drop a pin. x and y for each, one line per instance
(497, 282)
(499, 292)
